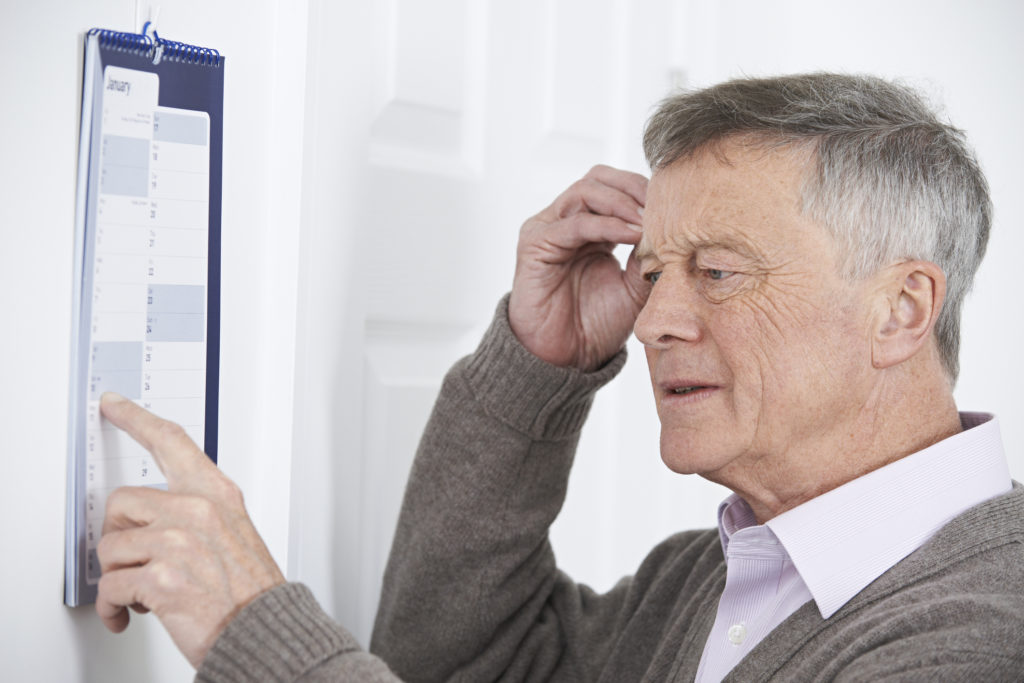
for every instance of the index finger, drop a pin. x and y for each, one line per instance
(176, 454)
(633, 184)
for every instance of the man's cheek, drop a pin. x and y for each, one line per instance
(752, 340)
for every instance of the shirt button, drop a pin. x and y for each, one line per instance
(737, 634)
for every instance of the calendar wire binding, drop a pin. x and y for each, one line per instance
(156, 47)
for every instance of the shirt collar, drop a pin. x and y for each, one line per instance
(733, 514)
(846, 538)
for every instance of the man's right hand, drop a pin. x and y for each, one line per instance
(190, 553)
(572, 303)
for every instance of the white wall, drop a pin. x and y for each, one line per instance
(40, 76)
(310, 197)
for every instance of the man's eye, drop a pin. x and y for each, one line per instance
(716, 274)
(653, 277)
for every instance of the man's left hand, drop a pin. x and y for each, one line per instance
(189, 554)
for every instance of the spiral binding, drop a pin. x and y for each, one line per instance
(134, 43)
(190, 54)
(156, 47)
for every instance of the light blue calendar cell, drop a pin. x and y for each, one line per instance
(117, 356)
(176, 299)
(125, 168)
(191, 130)
(128, 383)
(175, 327)
(116, 366)
(124, 180)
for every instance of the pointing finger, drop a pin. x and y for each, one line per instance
(178, 457)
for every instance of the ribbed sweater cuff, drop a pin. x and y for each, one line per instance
(277, 637)
(527, 393)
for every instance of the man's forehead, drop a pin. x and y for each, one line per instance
(704, 238)
(678, 223)
(731, 198)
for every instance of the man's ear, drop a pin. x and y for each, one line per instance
(910, 298)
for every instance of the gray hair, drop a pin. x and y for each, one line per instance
(891, 181)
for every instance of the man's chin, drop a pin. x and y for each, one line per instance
(692, 457)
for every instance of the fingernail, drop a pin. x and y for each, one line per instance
(640, 210)
(635, 227)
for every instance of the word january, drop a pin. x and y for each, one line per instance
(120, 86)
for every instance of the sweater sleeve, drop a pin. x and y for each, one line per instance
(284, 635)
(471, 591)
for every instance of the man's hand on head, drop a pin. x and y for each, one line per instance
(572, 303)
(189, 554)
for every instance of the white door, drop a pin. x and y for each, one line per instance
(434, 130)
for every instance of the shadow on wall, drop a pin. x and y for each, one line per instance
(144, 652)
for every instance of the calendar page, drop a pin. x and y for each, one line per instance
(148, 317)
(142, 327)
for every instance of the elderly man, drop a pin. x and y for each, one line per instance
(807, 244)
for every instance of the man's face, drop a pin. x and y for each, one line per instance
(759, 351)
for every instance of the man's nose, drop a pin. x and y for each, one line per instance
(670, 314)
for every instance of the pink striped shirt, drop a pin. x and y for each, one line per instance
(831, 547)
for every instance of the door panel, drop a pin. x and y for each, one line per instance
(469, 117)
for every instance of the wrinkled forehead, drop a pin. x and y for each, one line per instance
(734, 194)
